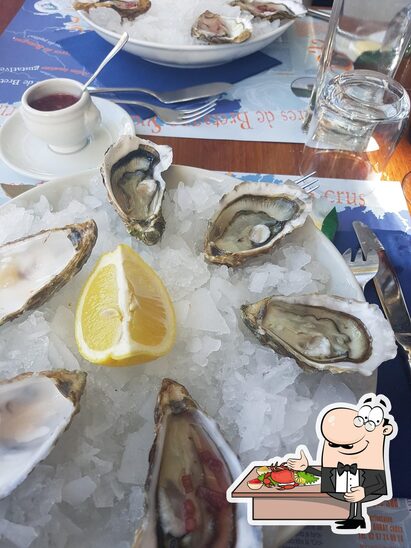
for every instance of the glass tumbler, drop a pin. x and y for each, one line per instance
(356, 126)
(362, 34)
(406, 188)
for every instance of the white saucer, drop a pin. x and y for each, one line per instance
(26, 154)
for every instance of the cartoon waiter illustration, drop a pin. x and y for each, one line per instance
(352, 463)
(354, 447)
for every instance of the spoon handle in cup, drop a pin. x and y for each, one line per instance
(113, 52)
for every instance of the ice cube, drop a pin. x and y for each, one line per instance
(77, 491)
(20, 535)
(295, 257)
(134, 462)
(203, 314)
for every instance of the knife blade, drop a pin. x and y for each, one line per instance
(388, 287)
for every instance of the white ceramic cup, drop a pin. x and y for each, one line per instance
(65, 130)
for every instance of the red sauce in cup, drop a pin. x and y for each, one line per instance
(54, 101)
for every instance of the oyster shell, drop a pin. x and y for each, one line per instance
(127, 9)
(35, 409)
(252, 218)
(35, 267)
(323, 331)
(288, 9)
(219, 29)
(131, 172)
(190, 468)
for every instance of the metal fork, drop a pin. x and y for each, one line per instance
(176, 96)
(319, 14)
(174, 116)
(363, 269)
(308, 186)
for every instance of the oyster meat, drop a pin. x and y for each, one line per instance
(252, 218)
(323, 331)
(127, 9)
(219, 29)
(35, 409)
(288, 9)
(35, 267)
(190, 468)
(131, 172)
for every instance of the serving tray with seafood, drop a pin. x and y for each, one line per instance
(227, 385)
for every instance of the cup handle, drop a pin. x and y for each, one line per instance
(92, 117)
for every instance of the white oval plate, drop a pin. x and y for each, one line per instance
(195, 56)
(26, 154)
(343, 283)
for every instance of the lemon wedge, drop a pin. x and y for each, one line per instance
(124, 315)
(262, 470)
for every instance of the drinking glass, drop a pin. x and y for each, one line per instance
(366, 34)
(406, 189)
(356, 126)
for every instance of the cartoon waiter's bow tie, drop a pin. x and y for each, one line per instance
(341, 468)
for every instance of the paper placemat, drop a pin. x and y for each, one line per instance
(48, 39)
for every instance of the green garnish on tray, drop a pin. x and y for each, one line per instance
(307, 477)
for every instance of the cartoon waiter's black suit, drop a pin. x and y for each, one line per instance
(373, 482)
(353, 456)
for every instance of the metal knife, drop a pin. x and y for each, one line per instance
(176, 96)
(388, 288)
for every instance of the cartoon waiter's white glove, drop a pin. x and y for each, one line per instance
(355, 495)
(298, 464)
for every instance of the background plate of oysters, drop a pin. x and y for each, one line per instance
(192, 35)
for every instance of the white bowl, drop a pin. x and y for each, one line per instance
(195, 56)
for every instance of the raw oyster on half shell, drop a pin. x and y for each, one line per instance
(323, 331)
(252, 218)
(127, 9)
(35, 409)
(220, 29)
(288, 9)
(132, 173)
(190, 468)
(33, 268)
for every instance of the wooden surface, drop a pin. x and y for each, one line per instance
(8, 9)
(281, 158)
